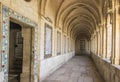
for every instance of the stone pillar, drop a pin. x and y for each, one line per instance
(94, 43)
(0, 39)
(91, 45)
(96, 52)
(115, 58)
(101, 40)
(109, 35)
(98, 42)
(104, 42)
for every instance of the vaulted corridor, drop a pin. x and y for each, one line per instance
(77, 69)
(47, 40)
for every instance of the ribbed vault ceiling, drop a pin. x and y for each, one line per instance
(75, 17)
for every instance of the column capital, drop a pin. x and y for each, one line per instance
(101, 25)
(97, 30)
(110, 10)
(94, 34)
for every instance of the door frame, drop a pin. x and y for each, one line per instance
(8, 13)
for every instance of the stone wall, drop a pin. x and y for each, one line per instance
(27, 9)
(49, 65)
(0, 41)
(109, 72)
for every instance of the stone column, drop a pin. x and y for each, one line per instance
(89, 45)
(98, 35)
(101, 40)
(93, 44)
(104, 42)
(109, 35)
(0, 39)
(96, 52)
(115, 58)
(91, 48)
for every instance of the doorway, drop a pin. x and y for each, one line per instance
(15, 52)
(82, 46)
(21, 40)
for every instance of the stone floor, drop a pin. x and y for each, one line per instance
(78, 69)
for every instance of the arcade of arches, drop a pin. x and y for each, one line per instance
(38, 37)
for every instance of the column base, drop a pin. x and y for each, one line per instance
(115, 61)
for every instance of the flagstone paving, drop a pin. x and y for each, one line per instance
(78, 69)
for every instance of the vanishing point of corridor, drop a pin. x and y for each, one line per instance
(78, 69)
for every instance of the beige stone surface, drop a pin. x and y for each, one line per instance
(111, 73)
(74, 18)
(78, 69)
(21, 6)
